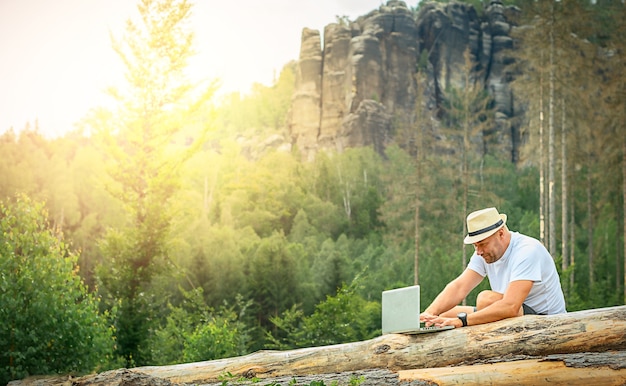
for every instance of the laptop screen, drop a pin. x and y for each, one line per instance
(401, 310)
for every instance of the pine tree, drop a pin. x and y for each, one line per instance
(147, 141)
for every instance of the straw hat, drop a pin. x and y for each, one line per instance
(482, 224)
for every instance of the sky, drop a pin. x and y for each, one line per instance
(56, 58)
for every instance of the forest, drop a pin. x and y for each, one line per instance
(166, 230)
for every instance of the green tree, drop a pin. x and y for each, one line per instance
(154, 130)
(50, 322)
(271, 278)
(330, 267)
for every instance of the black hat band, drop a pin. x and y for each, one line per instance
(481, 231)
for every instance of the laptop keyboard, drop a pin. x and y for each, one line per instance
(431, 328)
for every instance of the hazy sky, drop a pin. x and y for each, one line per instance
(56, 57)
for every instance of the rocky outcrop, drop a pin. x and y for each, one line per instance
(307, 99)
(359, 88)
(497, 44)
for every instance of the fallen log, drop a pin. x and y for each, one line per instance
(595, 330)
(608, 368)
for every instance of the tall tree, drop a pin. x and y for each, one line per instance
(542, 163)
(146, 142)
(564, 190)
(420, 79)
(551, 135)
(271, 280)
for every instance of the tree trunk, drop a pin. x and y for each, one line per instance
(416, 257)
(590, 223)
(551, 157)
(419, 161)
(564, 200)
(622, 127)
(465, 114)
(542, 194)
(584, 331)
(572, 249)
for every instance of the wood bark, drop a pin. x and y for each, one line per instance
(542, 184)
(551, 156)
(595, 330)
(420, 120)
(564, 190)
(560, 371)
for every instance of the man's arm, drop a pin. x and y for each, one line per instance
(452, 294)
(509, 306)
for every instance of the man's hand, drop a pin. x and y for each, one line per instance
(428, 318)
(441, 321)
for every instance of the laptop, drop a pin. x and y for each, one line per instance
(401, 312)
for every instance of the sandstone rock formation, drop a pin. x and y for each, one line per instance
(359, 88)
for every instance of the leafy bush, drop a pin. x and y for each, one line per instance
(219, 337)
(50, 323)
(345, 317)
(195, 332)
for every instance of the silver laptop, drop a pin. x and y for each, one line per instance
(401, 312)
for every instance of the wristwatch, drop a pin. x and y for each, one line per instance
(463, 317)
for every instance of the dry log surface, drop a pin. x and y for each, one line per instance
(583, 369)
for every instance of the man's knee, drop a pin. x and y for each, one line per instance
(487, 298)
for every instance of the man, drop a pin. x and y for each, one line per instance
(521, 272)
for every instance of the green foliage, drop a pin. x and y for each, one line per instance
(194, 332)
(50, 323)
(345, 317)
(218, 335)
(217, 338)
(352, 181)
(271, 280)
(264, 198)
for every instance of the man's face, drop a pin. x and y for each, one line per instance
(492, 248)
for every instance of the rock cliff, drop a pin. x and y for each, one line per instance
(359, 87)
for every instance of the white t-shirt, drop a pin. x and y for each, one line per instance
(525, 259)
